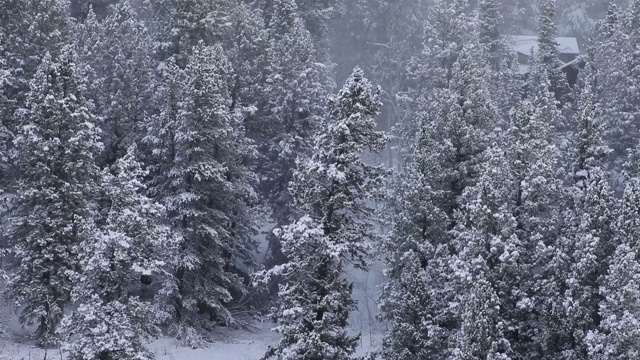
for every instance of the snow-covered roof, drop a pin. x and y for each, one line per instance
(524, 43)
(523, 69)
(572, 62)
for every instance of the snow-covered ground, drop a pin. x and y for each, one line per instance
(230, 345)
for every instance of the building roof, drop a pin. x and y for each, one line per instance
(525, 43)
(574, 62)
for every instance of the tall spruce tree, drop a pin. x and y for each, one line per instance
(5, 103)
(591, 150)
(332, 188)
(447, 30)
(245, 41)
(534, 194)
(614, 339)
(587, 237)
(461, 127)
(447, 161)
(502, 78)
(486, 262)
(547, 55)
(54, 216)
(296, 86)
(415, 299)
(202, 178)
(481, 334)
(179, 25)
(617, 75)
(490, 23)
(382, 36)
(117, 54)
(29, 29)
(591, 243)
(111, 322)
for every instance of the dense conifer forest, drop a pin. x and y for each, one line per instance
(170, 168)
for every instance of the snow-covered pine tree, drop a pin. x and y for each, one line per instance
(376, 34)
(490, 23)
(620, 318)
(414, 301)
(587, 238)
(111, 322)
(381, 36)
(177, 26)
(160, 127)
(591, 150)
(58, 181)
(33, 28)
(503, 79)
(5, 116)
(522, 15)
(317, 17)
(631, 168)
(481, 331)
(534, 195)
(332, 189)
(576, 18)
(295, 92)
(245, 42)
(447, 30)
(486, 262)
(547, 55)
(447, 160)
(461, 127)
(117, 54)
(202, 179)
(590, 244)
(29, 29)
(617, 69)
(102, 8)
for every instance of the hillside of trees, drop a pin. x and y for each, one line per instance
(147, 146)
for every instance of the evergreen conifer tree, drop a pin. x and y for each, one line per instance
(502, 77)
(178, 26)
(587, 238)
(117, 54)
(481, 332)
(202, 178)
(55, 149)
(614, 339)
(618, 71)
(414, 301)
(448, 160)
(331, 188)
(447, 30)
(29, 30)
(490, 23)
(110, 321)
(296, 86)
(534, 195)
(486, 261)
(461, 127)
(547, 55)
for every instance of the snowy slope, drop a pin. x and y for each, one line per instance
(232, 345)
